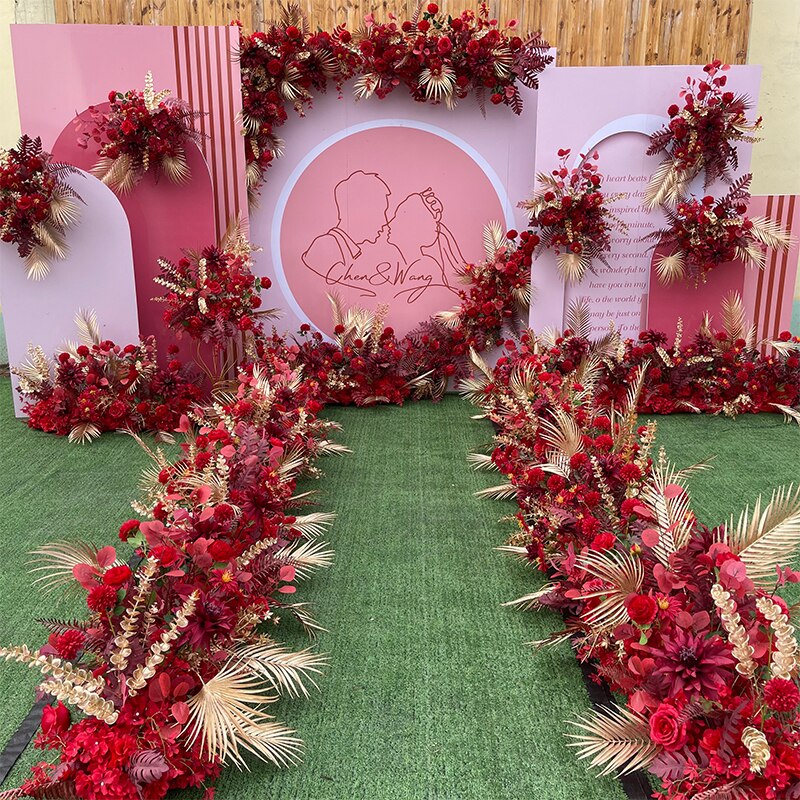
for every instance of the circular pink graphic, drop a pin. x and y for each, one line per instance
(385, 216)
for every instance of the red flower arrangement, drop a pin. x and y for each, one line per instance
(704, 234)
(36, 204)
(99, 386)
(701, 136)
(438, 58)
(141, 130)
(170, 668)
(679, 619)
(212, 296)
(572, 217)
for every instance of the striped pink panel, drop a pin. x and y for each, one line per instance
(769, 293)
(209, 80)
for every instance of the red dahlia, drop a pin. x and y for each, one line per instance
(101, 598)
(781, 695)
(69, 644)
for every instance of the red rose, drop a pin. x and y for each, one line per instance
(220, 551)
(641, 608)
(293, 32)
(423, 25)
(496, 99)
(127, 127)
(433, 8)
(127, 528)
(667, 728)
(116, 576)
(673, 110)
(55, 719)
(603, 541)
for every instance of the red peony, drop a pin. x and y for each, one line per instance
(55, 719)
(668, 728)
(642, 608)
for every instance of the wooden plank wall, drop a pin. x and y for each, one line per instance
(586, 32)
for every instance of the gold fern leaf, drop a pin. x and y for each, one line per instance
(505, 491)
(616, 739)
(789, 414)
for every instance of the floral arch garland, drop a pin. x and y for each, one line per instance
(220, 540)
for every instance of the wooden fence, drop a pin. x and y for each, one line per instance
(586, 32)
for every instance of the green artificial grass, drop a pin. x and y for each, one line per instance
(430, 691)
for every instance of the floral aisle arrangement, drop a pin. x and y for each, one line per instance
(141, 130)
(700, 137)
(176, 661)
(702, 234)
(571, 215)
(680, 619)
(214, 298)
(438, 58)
(37, 206)
(367, 363)
(99, 386)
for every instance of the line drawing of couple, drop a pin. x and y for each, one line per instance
(410, 252)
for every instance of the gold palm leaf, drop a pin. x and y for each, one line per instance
(225, 716)
(450, 319)
(64, 211)
(572, 266)
(83, 433)
(479, 362)
(531, 601)
(34, 370)
(88, 327)
(56, 561)
(481, 461)
(671, 268)
(523, 381)
(623, 575)
(51, 241)
(789, 414)
(734, 319)
(562, 433)
(767, 537)
(667, 185)
(473, 389)
(314, 525)
(494, 238)
(325, 447)
(287, 670)
(37, 265)
(306, 619)
(614, 738)
(176, 167)
(291, 462)
(505, 491)
(753, 255)
(579, 318)
(306, 557)
(770, 233)
(523, 295)
(438, 85)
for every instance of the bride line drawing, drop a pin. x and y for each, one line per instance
(410, 251)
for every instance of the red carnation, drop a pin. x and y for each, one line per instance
(116, 576)
(69, 643)
(642, 609)
(668, 728)
(781, 695)
(101, 598)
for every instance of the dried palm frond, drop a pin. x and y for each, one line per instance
(671, 268)
(770, 233)
(83, 432)
(789, 414)
(225, 716)
(304, 617)
(315, 524)
(505, 491)
(579, 318)
(287, 670)
(562, 433)
(573, 266)
(481, 461)
(734, 320)
(494, 239)
(306, 557)
(622, 575)
(56, 561)
(768, 537)
(616, 739)
(530, 601)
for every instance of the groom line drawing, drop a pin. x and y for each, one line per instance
(411, 252)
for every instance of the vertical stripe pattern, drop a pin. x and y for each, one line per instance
(208, 79)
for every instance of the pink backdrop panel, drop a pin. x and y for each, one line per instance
(416, 185)
(164, 219)
(613, 110)
(769, 293)
(85, 62)
(43, 312)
